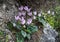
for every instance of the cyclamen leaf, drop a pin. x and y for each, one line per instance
(32, 28)
(20, 39)
(28, 31)
(24, 34)
(28, 36)
(42, 21)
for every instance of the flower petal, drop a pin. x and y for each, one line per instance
(29, 10)
(26, 8)
(22, 20)
(35, 13)
(30, 13)
(16, 17)
(21, 8)
(29, 21)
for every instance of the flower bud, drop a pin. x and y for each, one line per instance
(34, 17)
(35, 13)
(39, 14)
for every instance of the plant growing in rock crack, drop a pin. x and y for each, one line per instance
(24, 23)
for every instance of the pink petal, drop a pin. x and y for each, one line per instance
(21, 8)
(29, 10)
(35, 13)
(26, 8)
(16, 17)
(29, 21)
(22, 20)
(30, 13)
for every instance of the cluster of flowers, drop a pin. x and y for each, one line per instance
(25, 15)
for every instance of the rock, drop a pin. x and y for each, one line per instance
(49, 35)
(58, 38)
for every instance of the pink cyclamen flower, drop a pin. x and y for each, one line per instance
(23, 13)
(30, 13)
(21, 8)
(29, 21)
(29, 10)
(22, 20)
(26, 8)
(17, 17)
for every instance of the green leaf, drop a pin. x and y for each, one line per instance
(32, 28)
(18, 27)
(1, 33)
(42, 21)
(19, 37)
(24, 34)
(28, 36)
(28, 31)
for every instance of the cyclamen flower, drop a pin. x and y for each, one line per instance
(21, 8)
(22, 20)
(16, 17)
(23, 13)
(26, 8)
(29, 21)
(30, 13)
(29, 10)
(39, 14)
(35, 13)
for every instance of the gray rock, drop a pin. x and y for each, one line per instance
(49, 35)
